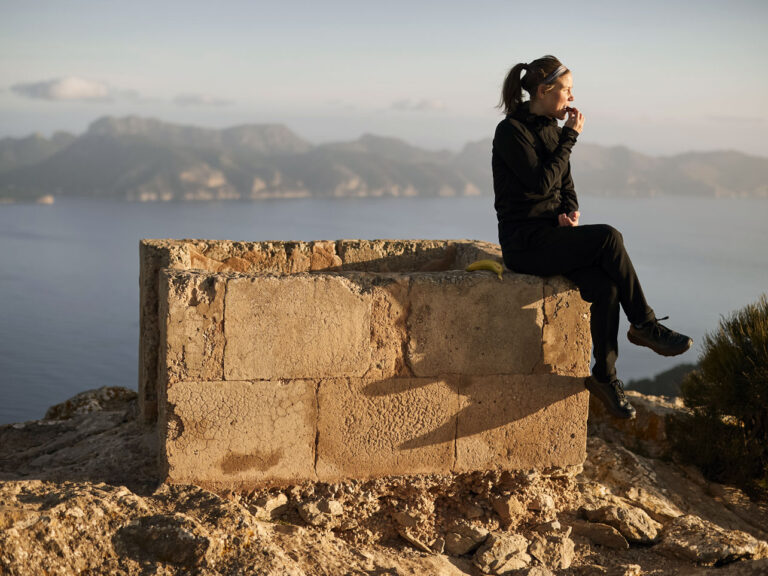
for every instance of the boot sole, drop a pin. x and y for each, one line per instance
(660, 351)
(608, 405)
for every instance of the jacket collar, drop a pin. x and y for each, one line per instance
(523, 114)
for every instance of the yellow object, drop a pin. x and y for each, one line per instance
(491, 265)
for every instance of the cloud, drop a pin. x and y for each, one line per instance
(71, 88)
(410, 105)
(200, 100)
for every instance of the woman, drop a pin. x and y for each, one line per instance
(538, 218)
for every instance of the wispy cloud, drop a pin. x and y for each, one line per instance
(410, 105)
(200, 100)
(72, 88)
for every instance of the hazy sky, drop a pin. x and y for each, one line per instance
(659, 77)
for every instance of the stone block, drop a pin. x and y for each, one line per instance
(521, 422)
(566, 340)
(230, 434)
(474, 323)
(382, 427)
(154, 255)
(396, 255)
(389, 310)
(191, 334)
(299, 326)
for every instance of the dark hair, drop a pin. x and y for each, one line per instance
(535, 73)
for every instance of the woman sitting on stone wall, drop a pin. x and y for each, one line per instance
(538, 219)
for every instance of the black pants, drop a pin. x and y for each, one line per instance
(594, 258)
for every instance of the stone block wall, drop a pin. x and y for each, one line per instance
(278, 362)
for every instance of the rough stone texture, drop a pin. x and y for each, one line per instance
(463, 538)
(647, 432)
(390, 307)
(501, 553)
(402, 425)
(303, 326)
(695, 539)
(566, 340)
(78, 494)
(462, 323)
(397, 255)
(553, 550)
(398, 314)
(633, 523)
(229, 434)
(176, 539)
(601, 534)
(519, 422)
(153, 256)
(192, 332)
(509, 509)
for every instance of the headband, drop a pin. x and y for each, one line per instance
(559, 71)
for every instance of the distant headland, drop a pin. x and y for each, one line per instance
(146, 160)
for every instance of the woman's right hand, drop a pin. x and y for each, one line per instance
(575, 120)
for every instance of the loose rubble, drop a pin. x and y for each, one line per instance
(78, 494)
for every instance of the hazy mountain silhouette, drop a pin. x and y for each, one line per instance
(145, 159)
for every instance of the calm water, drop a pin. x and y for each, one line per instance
(69, 294)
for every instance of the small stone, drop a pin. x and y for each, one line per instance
(509, 509)
(633, 523)
(332, 507)
(553, 551)
(311, 514)
(407, 519)
(501, 553)
(176, 539)
(552, 527)
(412, 540)
(270, 507)
(473, 511)
(542, 503)
(438, 545)
(463, 538)
(601, 534)
(694, 539)
(591, 570)
(534, 571)
(626, 570)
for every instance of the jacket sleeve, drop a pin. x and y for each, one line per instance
(568, 202)
(539, 175)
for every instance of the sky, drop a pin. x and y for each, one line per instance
(662, 77)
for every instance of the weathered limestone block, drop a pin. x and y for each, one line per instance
(566, 341)
(153, 255)
(234, 433)
(192, 334)
(396, 255)
(465, 323)
(296, 327)
(393, 426)
(389, 310)
(521, 422)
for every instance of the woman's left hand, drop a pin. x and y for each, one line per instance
(571, 219)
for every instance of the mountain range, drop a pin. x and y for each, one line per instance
(144, 159)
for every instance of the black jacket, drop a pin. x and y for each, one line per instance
(532, 180)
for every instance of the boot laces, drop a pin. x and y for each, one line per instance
(618, 388)
(659, 330)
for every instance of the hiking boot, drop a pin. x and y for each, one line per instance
(611, 394)
(659, 338)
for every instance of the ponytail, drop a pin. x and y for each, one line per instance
(512, 91)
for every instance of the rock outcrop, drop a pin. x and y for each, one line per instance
(80, 494)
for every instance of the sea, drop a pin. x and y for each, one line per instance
(69, 272)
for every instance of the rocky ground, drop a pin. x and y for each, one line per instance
(78, 495)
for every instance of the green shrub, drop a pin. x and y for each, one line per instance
(726, 434)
